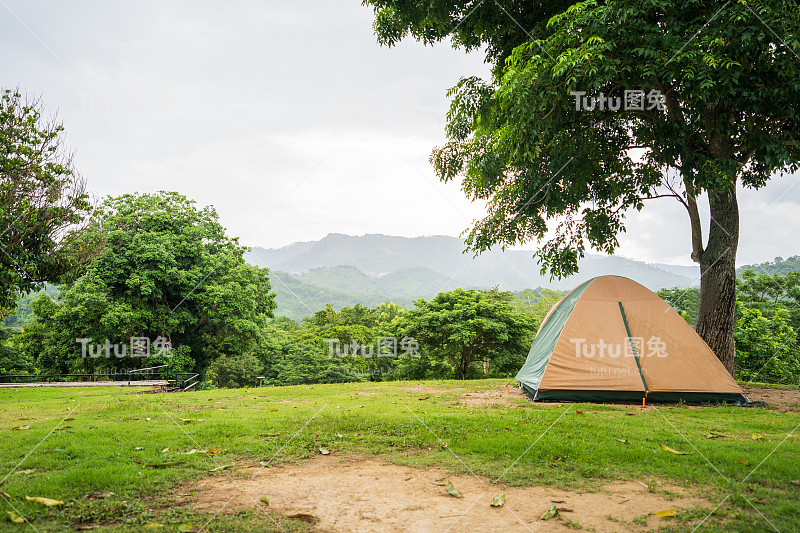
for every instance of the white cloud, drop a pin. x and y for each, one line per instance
(288, 117)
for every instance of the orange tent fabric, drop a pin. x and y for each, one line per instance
(613, 339)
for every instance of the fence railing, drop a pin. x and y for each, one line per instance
(177, 380)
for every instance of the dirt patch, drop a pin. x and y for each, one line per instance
(775, 397)
(354, 494)
(499, 396)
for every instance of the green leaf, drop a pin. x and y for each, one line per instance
(264, 499)
(499, 500)
(451, 490)
(14, 517)
(666, 512)
(550, 513)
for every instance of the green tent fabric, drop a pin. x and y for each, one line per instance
(531, 373)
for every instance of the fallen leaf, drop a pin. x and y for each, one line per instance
(264, 499)
(223, 467)
(745, 463)
(24, 472)
(713, 435)
(437, 483)
(165, 450)
(44, 501)
(14, 517)
(666, 512)
(499, 501)
(266, 464)
(138, 448)
(153, 525)
(550, 513)
(84, 527)
(624, 441)
(578, 412)
(303, 516)
(324, 451)
(451, 490)
(189, 528)
(20, 427)
(213, 451)
(190, 452)
(795, 482)
(676, 452)
(758, 436)
(5, 494)
(185, 420)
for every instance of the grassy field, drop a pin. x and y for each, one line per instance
(66, 444)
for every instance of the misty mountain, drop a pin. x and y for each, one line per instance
(369, 269)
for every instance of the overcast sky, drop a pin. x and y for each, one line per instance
(289, 118)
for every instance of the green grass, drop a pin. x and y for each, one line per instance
(95, 448)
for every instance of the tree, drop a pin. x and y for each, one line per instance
(719, 107)
(12, 359)
(43, 202)
(233, 371)
(684, 301)
(769, 294)
(467, 326)
(767, 348)
(536, 303)
(168, 272)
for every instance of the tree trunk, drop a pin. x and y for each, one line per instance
(716, 313)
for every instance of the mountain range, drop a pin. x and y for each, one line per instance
(370, 269)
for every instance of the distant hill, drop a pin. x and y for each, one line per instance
(414, 282)
(688, 272)
(778, 266)
(302, 295)
(297, 299)
(379, 255)
(369, 269)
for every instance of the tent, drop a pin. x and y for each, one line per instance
(611, 339)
